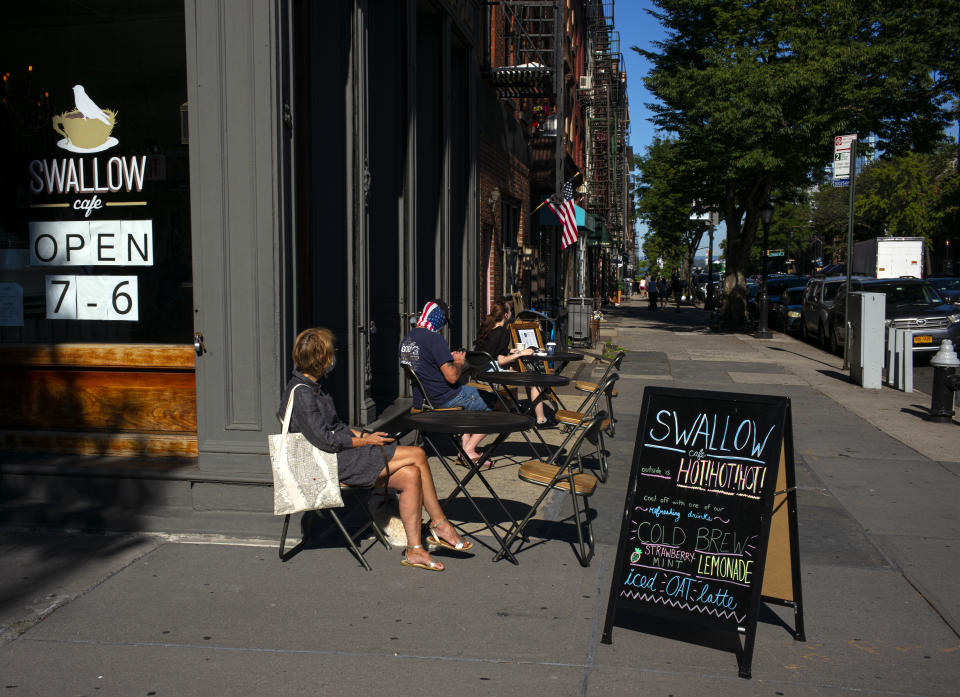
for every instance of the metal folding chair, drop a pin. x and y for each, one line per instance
(582, 417)
(426, 405)
(351, 539)
(567, 476)
(586, 386)
(479, 362)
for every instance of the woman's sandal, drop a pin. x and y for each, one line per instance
(487, 464)
(434, 540)
(429, 566)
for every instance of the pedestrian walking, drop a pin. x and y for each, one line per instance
(675, 288)
(663, 290)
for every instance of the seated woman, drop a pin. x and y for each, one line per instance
(370, 459)
(494, 339)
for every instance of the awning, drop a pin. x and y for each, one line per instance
(548, 217)
(599, 236)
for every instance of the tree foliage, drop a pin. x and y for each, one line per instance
(905, 196)
(665, 194)
(755, 93)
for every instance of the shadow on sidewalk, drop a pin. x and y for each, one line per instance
(836, 375)
(800, 355)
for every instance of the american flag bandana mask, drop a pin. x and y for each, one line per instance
(432, 317)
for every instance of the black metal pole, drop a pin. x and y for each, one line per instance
(710, 271)
(763, 332)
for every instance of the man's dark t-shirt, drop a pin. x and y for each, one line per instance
(425, 351)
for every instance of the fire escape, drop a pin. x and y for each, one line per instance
(526, 66)
(603, 92)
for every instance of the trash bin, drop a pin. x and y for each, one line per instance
(579, 314)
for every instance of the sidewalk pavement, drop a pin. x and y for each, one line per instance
(879, 531)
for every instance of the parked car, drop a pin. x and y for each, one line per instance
(775, 287)
(815, 312)
(948, 287)
(786, 309)
(833, 270)
(701, 280)
(911, 304)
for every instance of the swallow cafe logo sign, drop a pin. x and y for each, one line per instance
(86, 130)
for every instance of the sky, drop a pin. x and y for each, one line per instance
(637, 28)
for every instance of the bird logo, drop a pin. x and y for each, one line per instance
(86, 128)
(87, 106)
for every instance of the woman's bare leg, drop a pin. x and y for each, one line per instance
(411, 476)
(470, 441)
(533, 393)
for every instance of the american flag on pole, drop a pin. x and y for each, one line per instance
(563, 209)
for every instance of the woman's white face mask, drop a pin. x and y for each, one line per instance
(333, 363)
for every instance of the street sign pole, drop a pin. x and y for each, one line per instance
(846, 309)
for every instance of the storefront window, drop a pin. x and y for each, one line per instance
(94, 189)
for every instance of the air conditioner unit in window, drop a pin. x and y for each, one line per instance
(586, 82)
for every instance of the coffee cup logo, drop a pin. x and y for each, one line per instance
(86, 128)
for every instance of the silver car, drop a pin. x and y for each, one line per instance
(815, 311)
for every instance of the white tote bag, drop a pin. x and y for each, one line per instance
(305, 478)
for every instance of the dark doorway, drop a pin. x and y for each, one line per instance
(321, 254)
(430, 150)
(460, 123)
(388, 128)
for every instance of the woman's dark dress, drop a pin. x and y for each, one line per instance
(315, 416)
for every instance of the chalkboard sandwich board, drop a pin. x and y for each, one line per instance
(709, 524)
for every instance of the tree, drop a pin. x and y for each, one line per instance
(665, 194)
(909, 195)
(756, 91)
(900, 196)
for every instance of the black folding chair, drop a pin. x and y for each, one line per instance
(426, 405)
(567, 476)
(587, 386)
(478, 363)
(309, 521)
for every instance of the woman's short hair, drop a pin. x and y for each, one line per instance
(313, 351)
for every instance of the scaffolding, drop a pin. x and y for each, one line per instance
(604, 95)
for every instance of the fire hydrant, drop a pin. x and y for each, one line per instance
(945, 382)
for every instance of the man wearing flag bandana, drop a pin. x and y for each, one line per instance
(439, 369)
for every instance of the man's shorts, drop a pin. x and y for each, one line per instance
(468, 398)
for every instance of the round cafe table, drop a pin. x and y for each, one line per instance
(515, 379)
(538, 360)
(453, 422)
(544, 381)
(557, 357)
(463, 421)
